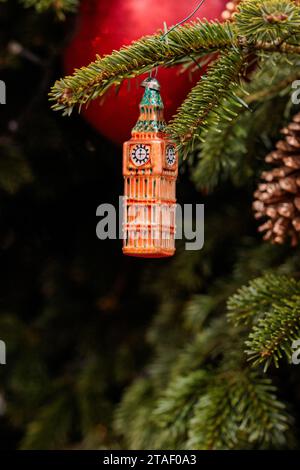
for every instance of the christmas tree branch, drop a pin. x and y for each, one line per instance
(273, 90)
(51, 425)
(270, 21)
(94, 80)
(282, 47)
(270, 306)
(175, 409)
(227, 147)
(271, 26)
(273, 335)
(206, 97)
(90, 82)
(134, 416)
(59, 6)
(239, 407)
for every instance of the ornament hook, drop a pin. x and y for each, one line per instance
(199, 5)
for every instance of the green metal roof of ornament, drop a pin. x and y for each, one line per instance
(151, 95)
(151, 98)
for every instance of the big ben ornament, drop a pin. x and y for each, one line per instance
(150, 168)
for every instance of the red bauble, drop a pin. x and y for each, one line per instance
(107, 25)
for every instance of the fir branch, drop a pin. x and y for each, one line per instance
(206, 97)
(271, 306)
(267, 21)
(15, 171)
(94, 80)
(51, 426)
(174, 409)
(222, 151)
(133, 417)
(238, 409)
(59, 6)
(259, 296)
(227, 150)
(193, 39)
(273, 335)
(272, 90)
(281, 47)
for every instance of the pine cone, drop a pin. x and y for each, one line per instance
(278, 196)
(231, 8)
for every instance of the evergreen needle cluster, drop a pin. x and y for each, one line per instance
(61, 7)
(271, 306)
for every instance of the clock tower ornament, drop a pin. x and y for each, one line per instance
(150, 169)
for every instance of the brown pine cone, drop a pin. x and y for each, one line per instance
(231, 8)
(277, 198)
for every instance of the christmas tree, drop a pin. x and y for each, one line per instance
(198, 351)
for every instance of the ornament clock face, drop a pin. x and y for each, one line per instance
(140, 154)
(170, 155)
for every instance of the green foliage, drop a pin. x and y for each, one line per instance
(270, 305)
(199, 391)
(238, 410)
(175, 408)
(94, 80)
(59, 6)
(206, 98)
(231, 147)
(210, 401)
(268, 21)
(52, 420)
(136, 415)
(14, 168)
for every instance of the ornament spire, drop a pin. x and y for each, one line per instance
(151, 118)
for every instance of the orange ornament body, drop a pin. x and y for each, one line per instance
(150, 168)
